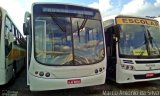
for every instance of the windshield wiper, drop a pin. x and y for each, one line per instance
(83, 23)
(54, 20)
(81, 27)
(145, 43)
(61, 28)
(78, 31)
(151, 40)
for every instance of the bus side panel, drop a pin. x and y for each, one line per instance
(2, 48)
(2, 53)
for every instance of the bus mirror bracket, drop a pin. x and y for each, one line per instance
(117, 34)
(115, 38)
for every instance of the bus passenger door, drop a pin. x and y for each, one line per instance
(111, 53)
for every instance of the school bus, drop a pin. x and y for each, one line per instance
(133, 49)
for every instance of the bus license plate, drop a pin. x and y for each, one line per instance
(149, 74)
(74, 81)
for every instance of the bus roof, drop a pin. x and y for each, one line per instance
(63, 3)
(3, 11)
(114, 16)
(110, 21)
(136, 17)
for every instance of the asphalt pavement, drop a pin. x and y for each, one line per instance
(18, 87)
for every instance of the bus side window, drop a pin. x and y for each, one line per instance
(7, 30)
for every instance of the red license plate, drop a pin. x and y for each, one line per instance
(74, 81)
(149, 74)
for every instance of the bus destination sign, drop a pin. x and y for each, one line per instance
(139, 21)
(71, 11)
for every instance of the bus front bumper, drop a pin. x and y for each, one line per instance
(43, 84)
(3, 77)
(128, 76)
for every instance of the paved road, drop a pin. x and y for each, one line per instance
(19, 88)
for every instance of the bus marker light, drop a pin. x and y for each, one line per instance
(74, 81)
(149, 74)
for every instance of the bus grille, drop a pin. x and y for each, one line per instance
(151, 61)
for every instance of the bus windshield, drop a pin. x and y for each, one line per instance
(139, 40)
(64, 40)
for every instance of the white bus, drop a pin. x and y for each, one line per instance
(12, 48)
(133, 49)
(65, 47)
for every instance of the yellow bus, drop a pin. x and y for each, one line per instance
(12, 48)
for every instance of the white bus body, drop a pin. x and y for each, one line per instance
(12, 48)
(133, 49)
(66, 47)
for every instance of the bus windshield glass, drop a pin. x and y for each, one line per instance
(139, 40)
(67, 39)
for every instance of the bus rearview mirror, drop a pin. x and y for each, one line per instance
(25, 29)
(117, 32)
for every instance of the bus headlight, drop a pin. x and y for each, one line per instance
(43, 74)
(96, 71)
(122, 65)
(127, 67)
(100, 69)
(47, 74)
(131, 68)
(36, 72)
